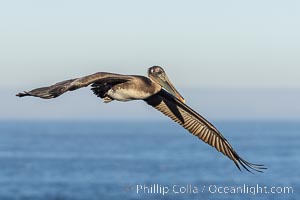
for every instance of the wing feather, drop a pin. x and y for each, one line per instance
(59, 88)
(198, 126)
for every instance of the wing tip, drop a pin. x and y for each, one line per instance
(250, 167)
(23, 94)
(43, 93)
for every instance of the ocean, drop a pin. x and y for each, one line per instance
(99, 160)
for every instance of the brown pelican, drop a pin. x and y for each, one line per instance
(157, 91)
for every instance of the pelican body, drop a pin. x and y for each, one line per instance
(157, 91)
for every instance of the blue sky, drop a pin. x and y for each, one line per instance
(207, 47)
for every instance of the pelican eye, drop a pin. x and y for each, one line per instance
(158, 70)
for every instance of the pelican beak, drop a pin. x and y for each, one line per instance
(165, 82)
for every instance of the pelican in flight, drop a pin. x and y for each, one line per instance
(157, 91)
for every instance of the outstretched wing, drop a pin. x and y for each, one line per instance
(58, 89)
(198, 126)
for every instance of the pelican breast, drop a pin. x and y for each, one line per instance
(139, 87)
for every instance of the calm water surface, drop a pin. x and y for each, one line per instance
(81, 160)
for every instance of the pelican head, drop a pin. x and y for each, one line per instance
(158, 75)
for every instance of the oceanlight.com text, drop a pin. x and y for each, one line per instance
(247, 189)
